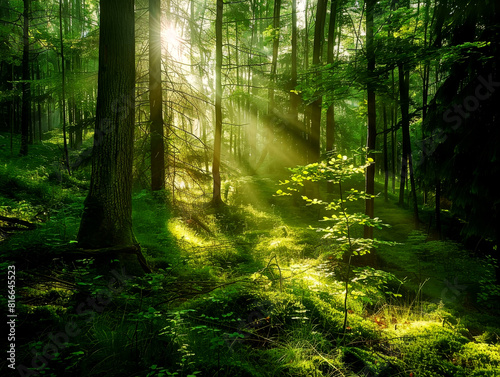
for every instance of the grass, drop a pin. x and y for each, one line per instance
(249, 291)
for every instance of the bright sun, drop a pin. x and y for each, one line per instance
(171, 41)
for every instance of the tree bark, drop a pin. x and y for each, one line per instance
(155, 98)
(386, 154)
(372, 130)
(405, 126)
(216, 198)
(319, 28)
(406, 160)
(269, 123)
(63, 90)
(298, 149)
(107, 217)
(330, 113)
(26, 90)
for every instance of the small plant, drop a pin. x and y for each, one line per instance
(337, 170)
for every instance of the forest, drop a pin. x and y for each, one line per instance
(250, 188)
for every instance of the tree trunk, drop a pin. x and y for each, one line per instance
(269, 124)
(319, 28)
(63, 90)
(330, 113)
(406, 160)
(405, 126)
(216, 198)
(39, 101)
(438, 207)
(394, 150)
(26, 102)
(296, 128)
(385, 153)
(155, 98)
(107, 216)
(372, 130)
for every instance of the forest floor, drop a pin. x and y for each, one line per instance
(248, 290)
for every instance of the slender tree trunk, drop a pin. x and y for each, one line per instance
(269, 124)
(39, 101)
(330, 113)
(385, 152)
(296, 127)
(438, 207)
(405, 125)
(319, 29)
(32, 125)
(394, 152)
(372, 130)
(155, 98)
(63, 90)
(425, 81)
(12, 113)
(406, 160)
(26, 102)
(217, 199)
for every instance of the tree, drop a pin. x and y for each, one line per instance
(330, 113)
(26, 90)
(461, 146)
(319, 30)
(63, 90)
(216, 198)
(271, 101)
(107, 218)
(156, 98)
(372, 129)
(406, 157)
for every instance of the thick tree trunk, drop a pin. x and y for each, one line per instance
(107, 216)
(155, 98)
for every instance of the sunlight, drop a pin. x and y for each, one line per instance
(181, 231)
(177, 51)
(171, 42)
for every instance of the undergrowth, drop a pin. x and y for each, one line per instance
(250, 291)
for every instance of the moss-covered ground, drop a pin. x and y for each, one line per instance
(248, 290)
